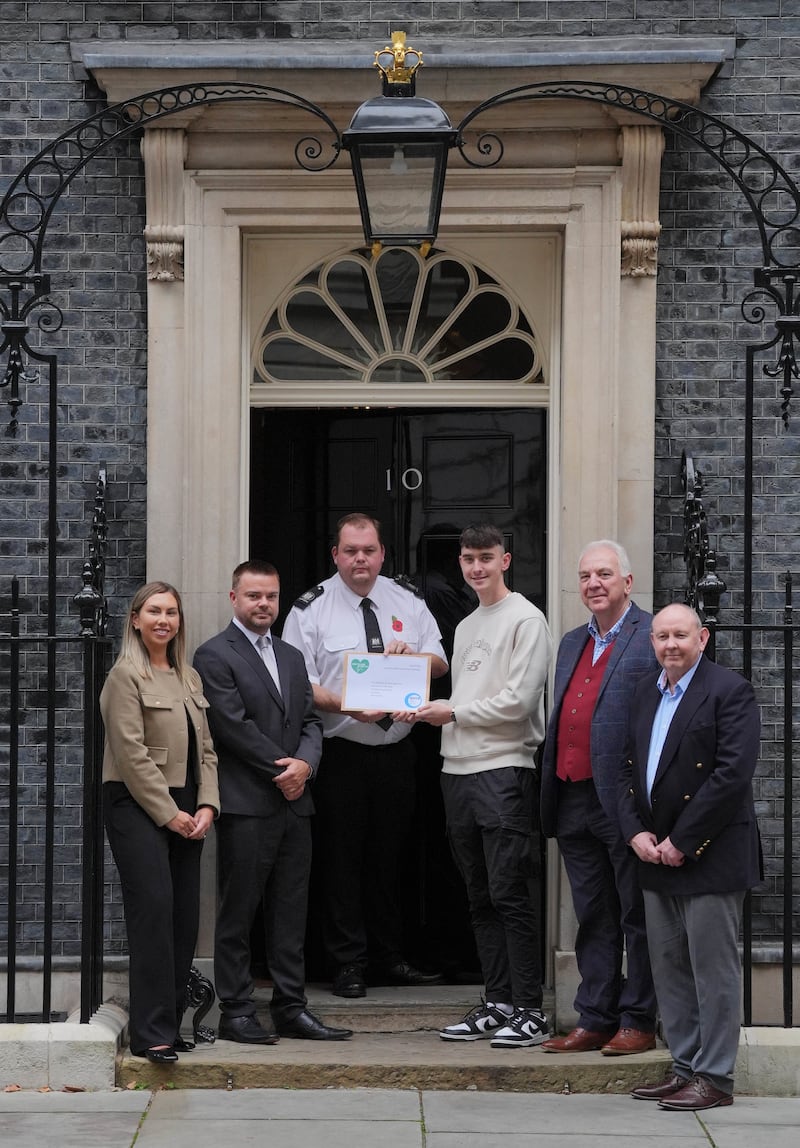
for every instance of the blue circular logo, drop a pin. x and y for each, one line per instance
(413, 700)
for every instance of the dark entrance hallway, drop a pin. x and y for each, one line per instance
(425, 474)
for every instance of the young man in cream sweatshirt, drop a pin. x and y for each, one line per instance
(491, 727)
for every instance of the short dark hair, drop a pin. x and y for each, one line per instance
(252, 566)
(358, 520)
(481, 536)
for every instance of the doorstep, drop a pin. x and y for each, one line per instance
(395, 1045)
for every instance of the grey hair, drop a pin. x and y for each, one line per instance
(619, 550)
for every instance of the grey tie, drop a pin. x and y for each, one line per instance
(264, 645)
(374, 645)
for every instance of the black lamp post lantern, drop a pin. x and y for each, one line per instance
(398, 145)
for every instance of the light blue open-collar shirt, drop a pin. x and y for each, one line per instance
(601, 644)
(667, 708)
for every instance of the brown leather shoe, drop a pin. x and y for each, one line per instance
(659, 1091)
(579, 1040)
(695, 1096)
(628, 1041)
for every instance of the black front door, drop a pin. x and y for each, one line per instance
(425, 474)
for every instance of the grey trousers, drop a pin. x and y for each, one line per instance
(698, 978)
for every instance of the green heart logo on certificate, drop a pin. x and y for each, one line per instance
(359, 665)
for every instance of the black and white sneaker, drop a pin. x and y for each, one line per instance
(480, 1023)
(526, 1027)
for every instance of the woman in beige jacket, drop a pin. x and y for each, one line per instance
(160, 797)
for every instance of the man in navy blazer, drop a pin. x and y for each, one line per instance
(686, 807)
(268, 741)
(597, 668)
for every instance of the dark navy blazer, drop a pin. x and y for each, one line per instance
(631, 657)
(702, 797)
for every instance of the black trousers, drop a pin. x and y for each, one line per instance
(160, 876)
(364, 797)
(269, 858)
(490, 826)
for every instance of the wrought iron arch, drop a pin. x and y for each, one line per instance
(57, 164)
(767, 187)
(770, 192)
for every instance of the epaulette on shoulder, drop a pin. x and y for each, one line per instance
(406, 583)
(310, 596)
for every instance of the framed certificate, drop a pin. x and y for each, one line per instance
(385, 682)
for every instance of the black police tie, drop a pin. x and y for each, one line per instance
(374, 644)
(373, 630)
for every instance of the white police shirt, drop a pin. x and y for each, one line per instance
(332, 622)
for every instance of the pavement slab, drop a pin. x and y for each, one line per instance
(293, 1119)
(296, 1133)
(542, 1116)
(754, 1121)
(386, 1118)
(284, 1104)
(71, 1120)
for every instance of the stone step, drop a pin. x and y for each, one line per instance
(395, 1045)
(389, 1009)
(395, 1060)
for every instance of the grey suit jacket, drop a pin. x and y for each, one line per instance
(253, 724)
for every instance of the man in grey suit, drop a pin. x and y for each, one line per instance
(268, 742)
(686, 808)
(596, 670)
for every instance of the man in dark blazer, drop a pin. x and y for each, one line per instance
(597, 668)
(268, 742)
(686, 807)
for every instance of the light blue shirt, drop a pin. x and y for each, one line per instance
(602, 644)
(666, 711)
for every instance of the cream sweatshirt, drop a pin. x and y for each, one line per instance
(501, 656)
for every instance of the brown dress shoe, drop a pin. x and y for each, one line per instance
(695, 1096)
(579, 1040)
(628, 1041)
(659, 1091)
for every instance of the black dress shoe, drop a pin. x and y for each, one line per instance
(349, 982)
(309, 1027)
(246, 1030)
(405, 974)
(159, 1055)
(181, 1045)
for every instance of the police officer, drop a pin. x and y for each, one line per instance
(365, 791)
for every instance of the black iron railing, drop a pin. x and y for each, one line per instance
(775, 675)
(50, 769)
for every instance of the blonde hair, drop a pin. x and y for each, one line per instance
(134, 651)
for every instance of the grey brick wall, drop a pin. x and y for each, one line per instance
(707, 255)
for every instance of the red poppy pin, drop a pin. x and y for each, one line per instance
(397, 625)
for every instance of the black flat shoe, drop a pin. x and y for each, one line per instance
(181, 1045)
(160, 1055)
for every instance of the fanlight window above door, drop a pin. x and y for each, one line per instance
(397, 321)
